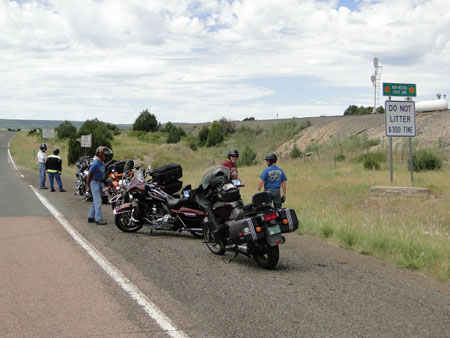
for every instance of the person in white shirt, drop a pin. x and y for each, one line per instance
(42, 158)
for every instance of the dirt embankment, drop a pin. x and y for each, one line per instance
(433, 128)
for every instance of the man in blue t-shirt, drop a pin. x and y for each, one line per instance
(94, 183)
(273, 178)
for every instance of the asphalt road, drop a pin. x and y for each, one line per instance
(317, 290)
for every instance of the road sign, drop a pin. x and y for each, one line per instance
(400, 117)
(399, 89)
(86, 140)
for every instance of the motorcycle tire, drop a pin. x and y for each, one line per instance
(269, 259)
(210, 241)
(124, 223)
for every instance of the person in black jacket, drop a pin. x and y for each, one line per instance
(54, 168)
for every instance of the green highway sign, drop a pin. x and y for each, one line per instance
(399, 89)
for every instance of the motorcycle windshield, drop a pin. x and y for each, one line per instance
(214, 175)
(140, 176)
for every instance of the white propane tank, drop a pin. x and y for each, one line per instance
(432, 105)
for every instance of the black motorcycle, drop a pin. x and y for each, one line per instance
(156, 203)
(254, 230)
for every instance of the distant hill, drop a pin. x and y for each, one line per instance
(44, 124)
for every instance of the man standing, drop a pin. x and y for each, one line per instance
(54, 168)
(94, 183)
(42, 158)
(273, 178)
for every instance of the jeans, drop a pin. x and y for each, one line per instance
(96, 207)
(57, 178)
(41, 175)
(276, 197)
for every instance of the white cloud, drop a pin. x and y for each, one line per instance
(201, 60)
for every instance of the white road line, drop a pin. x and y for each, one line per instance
(149, 307)
(12, 161)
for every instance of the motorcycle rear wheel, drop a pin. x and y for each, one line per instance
(124, 223)
(210, 241)
(269, 259)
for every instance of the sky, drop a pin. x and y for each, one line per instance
(203, 60)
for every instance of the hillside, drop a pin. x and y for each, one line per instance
(432, 128)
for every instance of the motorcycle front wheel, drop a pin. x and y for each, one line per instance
(267, 256)
(210, 241)
(124, 223)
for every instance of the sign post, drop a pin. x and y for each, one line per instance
(400, 117)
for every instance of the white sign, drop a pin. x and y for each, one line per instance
(48, 133)
(86, 140)
(400, 118)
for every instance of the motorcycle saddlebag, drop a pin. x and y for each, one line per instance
(167, 173)
(172, 187)
(291, 216)
(244, 230)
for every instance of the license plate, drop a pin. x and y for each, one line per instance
(273, 230)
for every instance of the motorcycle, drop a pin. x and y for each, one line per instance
(114, 174)
(156, 204)
(83, 165)
(254, 230)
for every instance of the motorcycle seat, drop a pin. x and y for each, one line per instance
(174, 203)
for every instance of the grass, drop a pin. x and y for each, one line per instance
(331, 199)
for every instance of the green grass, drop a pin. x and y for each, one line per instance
(331, 198)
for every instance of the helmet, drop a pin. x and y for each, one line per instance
(233, 152)
(105, 153)
(55, 151)
(43, 146)
(271, 157)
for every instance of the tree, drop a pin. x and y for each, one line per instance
(203, 134)
(228, 127)
(215, 135)
(66, 129)
(146, 122)
(101, 136)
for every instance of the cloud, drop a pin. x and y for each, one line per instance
(195, 61)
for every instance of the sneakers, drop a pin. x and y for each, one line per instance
(53, 190)
(62, 190)
(91, 220)
(43, 188)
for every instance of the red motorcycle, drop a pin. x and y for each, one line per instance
(156, 204)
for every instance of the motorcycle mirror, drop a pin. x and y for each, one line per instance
(237, 182)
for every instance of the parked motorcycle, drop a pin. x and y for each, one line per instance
(114, 172)
(254, 230)
(83, 164)
(156, 204)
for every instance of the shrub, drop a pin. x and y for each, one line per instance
(424, 160)
(203, 134)
(101, 136)
(146, 122)
(370, 162)
(215, 135)
(340, 157)
(295, 152)
(248, 157)
(66, 129)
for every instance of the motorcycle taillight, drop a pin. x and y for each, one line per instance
(271, 216)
